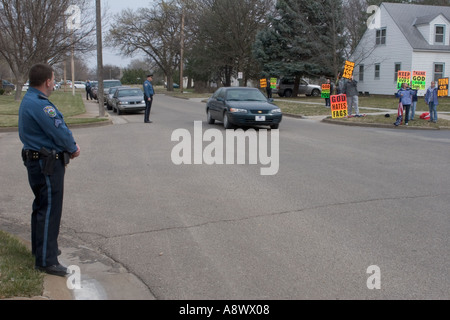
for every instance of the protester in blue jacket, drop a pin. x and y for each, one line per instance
(406, 96)
(431, 99)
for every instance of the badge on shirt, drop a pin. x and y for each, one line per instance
(50, 111)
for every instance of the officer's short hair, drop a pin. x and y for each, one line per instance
(39, 73)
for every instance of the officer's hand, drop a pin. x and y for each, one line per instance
(76, 153)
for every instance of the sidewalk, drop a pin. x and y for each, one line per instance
(101, 277)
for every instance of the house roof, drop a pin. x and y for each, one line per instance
(408, 16)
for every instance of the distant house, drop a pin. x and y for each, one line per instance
(403, 37)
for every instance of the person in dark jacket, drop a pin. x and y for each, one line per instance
(48, 146)
(351, 90)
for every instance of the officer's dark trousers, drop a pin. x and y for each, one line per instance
(148, 109)
(47, 210)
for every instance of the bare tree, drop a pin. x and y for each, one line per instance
(34, 31)
(154, 31)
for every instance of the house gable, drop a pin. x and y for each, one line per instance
(410, 45)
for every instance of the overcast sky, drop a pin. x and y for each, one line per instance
(115, 7)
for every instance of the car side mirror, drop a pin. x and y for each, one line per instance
(270, 100)
(220, 99)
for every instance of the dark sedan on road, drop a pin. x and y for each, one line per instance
(236, 106)
(127, 100)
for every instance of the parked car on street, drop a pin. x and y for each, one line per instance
(285, 88)
(237, 106)
(79, 85)
(128, 99)
(109, 84)
(8, 85)
(109, 97)
(94, 90)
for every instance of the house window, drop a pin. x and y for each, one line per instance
(381, 36)
(398, 67)
(439, 34)
(361, 72)
(438, 71)
(377, 71)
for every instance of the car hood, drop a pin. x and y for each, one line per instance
(261, 105)
(131, 98)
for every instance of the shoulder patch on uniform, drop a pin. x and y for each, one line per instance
(50, 111)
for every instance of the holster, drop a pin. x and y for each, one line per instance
(49, 160)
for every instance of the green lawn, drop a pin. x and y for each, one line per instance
(18, 278)
(68, 104)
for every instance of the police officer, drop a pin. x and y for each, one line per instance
(48, 146)
(148, 97)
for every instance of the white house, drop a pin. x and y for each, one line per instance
(403, 37)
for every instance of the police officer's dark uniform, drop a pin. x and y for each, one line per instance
(148, 97)
(48, 145)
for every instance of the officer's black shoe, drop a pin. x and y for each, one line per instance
(56, 270)
(149, 121)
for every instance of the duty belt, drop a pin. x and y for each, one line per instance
(36, 155)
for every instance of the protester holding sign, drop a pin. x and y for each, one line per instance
(406, 95)
(431, 99)
(351, 90)
(327, 89)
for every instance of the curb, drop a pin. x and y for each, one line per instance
(378, 125)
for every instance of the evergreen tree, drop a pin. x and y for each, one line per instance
(304, 38)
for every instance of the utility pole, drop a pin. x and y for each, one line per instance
(101, 99)
(182, 49)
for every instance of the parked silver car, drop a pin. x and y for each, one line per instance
(127, 100)
(285, 88)
(109, 97)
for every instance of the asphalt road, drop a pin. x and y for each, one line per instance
(344, 199)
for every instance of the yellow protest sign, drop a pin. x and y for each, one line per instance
(339, 106)
(443, 87)
(263, 83)
(419, 80)
(348, 70)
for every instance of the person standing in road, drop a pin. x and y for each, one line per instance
(431, 99)
(48, 146)
(351, 90)
(148, 97)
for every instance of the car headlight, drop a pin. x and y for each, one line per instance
(276, 111)
(143, 102)
(236, 110)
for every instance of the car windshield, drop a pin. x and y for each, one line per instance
(109, 84)
(245, 95)
(130, 93)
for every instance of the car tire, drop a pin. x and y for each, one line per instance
(108, 107)
(275, 126)
(226, 123)
(288, 93)
(210, 118)
(119, 112)
(315, 93)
